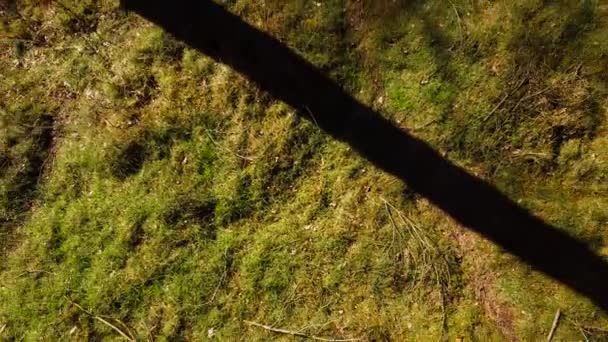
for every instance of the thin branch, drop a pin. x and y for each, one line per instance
(312, 116)
(592, 328)
(579, 327)
(127, 329)
(34, 271)
(528, 97)
(444, 325)
(149, 336)
(225, 148)
(222, 278)
(299, 334)
(504, 99)
(123, 334)
(112, 326)
(10, 39)
(554, 326)
(108, 122)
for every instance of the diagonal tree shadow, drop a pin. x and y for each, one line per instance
(475, 204)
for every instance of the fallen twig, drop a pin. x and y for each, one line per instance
(128, 337)
(34, 271)
(504, 99)
(222, 278)
(299, 334)
(528, 97)
(496, 107)
(554, 326)
(110, 123)
(149, 336)
(227, 149)
(312, 116)
(579, 327)
(592, 328)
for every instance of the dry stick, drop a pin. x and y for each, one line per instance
(110, 123)
(528, 97)
(299, 334)
(444, 323)
(2, 328)
(149, 336)
(34, 271)
(583, 333)
(312, 116)
(122, 333)
(602, 330)
(10, 40)
(504, 99)
(554, 326)
(225, 148)
(222, 278)
(127, 329)
(578, 326)
(578, 69)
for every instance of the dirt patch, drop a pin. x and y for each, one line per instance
(483, 282)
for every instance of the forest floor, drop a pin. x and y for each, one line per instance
(150, 193)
